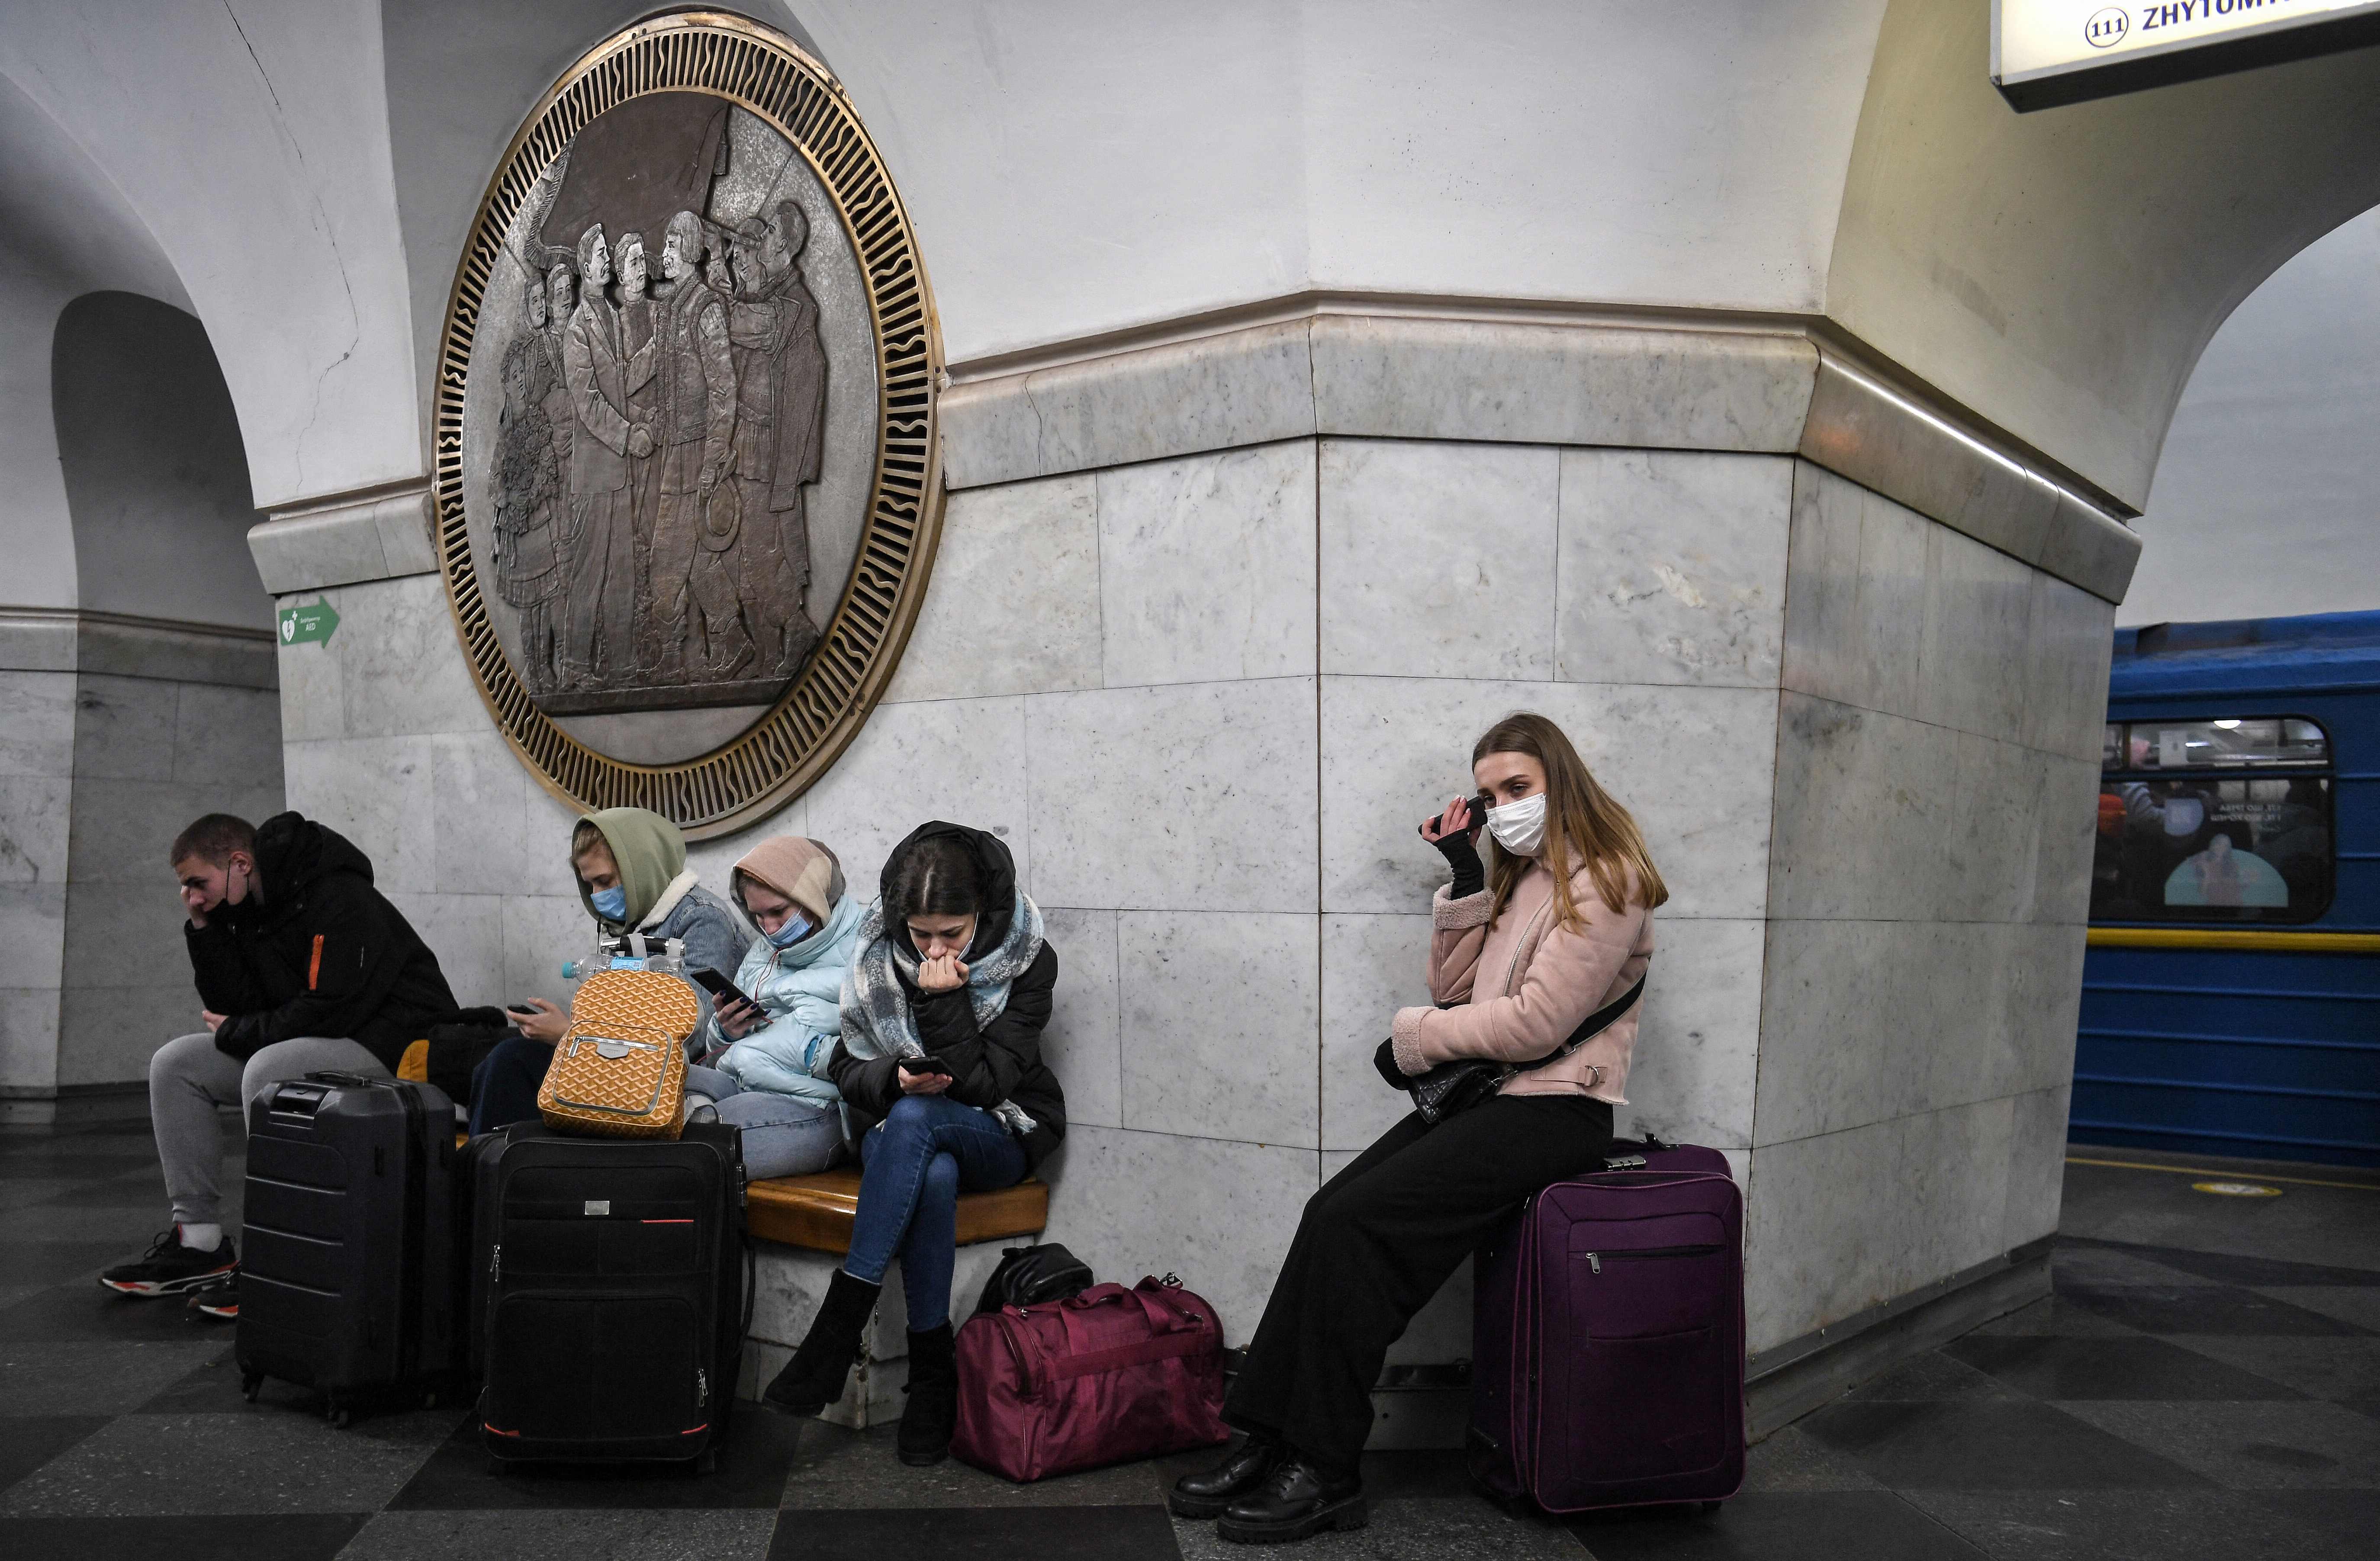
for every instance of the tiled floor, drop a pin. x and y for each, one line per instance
(2206, 1384)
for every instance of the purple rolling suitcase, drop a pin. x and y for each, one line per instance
(1608, 1339)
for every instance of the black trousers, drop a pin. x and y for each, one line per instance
(1375, 1245)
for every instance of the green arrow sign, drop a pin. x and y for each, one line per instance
(315, 622)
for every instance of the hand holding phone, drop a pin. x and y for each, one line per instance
(923, 1076)
(722, 989)
(1464, 815)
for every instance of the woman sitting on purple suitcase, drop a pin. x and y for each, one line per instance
(940, 1062)
(1520, 954)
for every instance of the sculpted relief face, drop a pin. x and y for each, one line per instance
(658, 447)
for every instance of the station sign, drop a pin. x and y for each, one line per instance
(2046, 53)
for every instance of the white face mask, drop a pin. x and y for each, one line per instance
(1520, 827)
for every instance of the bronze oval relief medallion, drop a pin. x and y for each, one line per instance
(688, 493)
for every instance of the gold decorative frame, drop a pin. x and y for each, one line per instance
(782, 754)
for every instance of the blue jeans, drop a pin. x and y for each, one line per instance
(782, 1135)
(914, 1165)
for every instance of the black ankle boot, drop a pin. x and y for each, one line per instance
(1206, 1494)
(1296, 1502)
(814, 1377)
(933, 1409)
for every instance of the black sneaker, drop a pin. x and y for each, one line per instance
(168, 1268)
(219, 1300)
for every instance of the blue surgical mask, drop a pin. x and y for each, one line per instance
(611, 904)
(794, 930)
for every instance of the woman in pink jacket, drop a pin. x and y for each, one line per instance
(1520, 954)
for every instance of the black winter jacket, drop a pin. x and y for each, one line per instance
(320, 953)
(1001, 1061)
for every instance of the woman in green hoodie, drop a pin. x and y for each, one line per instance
(632, 877)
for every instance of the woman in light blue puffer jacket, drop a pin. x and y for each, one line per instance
(772, 1080)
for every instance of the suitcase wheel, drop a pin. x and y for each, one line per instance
(250, 1384)
(706, 1462)
(339, 1415)
(1711, 1507)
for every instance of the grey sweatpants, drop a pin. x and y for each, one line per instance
(188, 1077)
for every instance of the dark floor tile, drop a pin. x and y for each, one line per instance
(29, 1441)
(2347, 1517)
(171, 1464)
(2312, 1224)
(1427, 1529)
(130, 1227)
(143, 1190)
(2344, 1370)
(287, 1536)
(567, 1536)
(1778, 1526)
(1935, 1375)
(2110, 1263)
(2133, 1368)
(2253, 1447)
(1044, 1533)
(2055, 1315)
(856, 1470)
(214, 1388)
(1793, 1460)
(1415, 1474)
(80, 1309)
(2360, 1308)
(2136, 1526)
(2201, 1309)
(2228, 1268)
(55, 1262)
(89, 1378)
(1986, 1445)
(16, 1192)
(752, 1464)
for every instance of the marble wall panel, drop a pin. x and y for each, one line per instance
(334, 545)
(1372, 965)
(465, 931)
(1691, 762)
(401, 669)
(1694, 1074)
(125, 935)
(106, 1034)
(37, 722)
(2066, 669)
(1206, 566)
(1438, 559)
(32, 934)
(1827, 1230)
(1863, 812)
(1953, 1181)
(1221, 1016)
(1566, 385)
(381, 794)
(29, 1034)
(486, 842)
(990, 433)
(227, 737)
(313, 693)
(1991, 848)
(1976, 638)
(960, 760)
(1084, 1043)
(1672, 566)
(2044, 1005)
(1854, 595)
(1184, 797)
(2066, 839)
(715, 860)
(1849, 1024)
(36, 813)
(1013, 605)
(1243, 387)
(540, 932)
(123, 829)
(1221, 1214)
(2036, 1165)
(124, 727)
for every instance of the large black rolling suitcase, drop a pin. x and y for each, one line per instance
(610, 1293)
(348, 1279)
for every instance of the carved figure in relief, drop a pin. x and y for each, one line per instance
(695, 603)
(637, 338)
(561, 301)
(780, 427)
(601, 645)
(528, 494)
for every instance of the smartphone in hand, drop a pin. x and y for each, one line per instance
(1477, 819)
(926, 1064)
(722, 989)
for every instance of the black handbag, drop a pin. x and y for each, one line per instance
(1032, 1276)
(1454, 1087)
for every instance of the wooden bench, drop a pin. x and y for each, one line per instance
(816, 1211)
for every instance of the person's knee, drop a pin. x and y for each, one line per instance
(941, 1183)
(172, 1060)
(911, 1115)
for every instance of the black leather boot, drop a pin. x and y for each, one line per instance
(814, 1377)
(1296, 1502)
(932, 1412)
(1206, 1494)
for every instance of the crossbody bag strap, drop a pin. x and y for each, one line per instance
(1595, 1024)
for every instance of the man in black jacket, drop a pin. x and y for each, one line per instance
(302, 965)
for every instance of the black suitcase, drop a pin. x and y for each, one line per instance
(609, 1293)
(349, 1281)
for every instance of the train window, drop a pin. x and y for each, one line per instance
(2214, 820)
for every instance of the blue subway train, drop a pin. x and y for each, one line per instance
(2231, 990)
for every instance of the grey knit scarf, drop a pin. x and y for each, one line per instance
(877, 1021)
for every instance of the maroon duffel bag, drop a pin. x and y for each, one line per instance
(1106, 1376)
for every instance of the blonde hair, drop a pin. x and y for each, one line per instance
(1579, 816)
